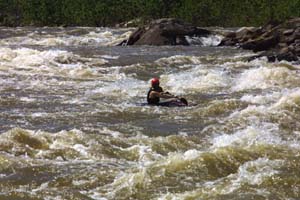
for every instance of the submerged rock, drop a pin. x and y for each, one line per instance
(281, 41)
(168, 31)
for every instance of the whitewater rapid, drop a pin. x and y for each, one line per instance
(74, 124)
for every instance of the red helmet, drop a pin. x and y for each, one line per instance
(155, 81)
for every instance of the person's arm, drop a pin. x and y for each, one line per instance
(154, 94)
(166, 95)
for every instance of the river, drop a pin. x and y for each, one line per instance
(74, 124)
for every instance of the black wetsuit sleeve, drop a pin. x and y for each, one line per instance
(153, 101)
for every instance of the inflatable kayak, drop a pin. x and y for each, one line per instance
(174, 103)
(182, 102)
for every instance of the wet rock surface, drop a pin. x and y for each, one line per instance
(280, 41)
(168, 31)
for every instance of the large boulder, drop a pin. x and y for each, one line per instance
(168, 31)
(261, 44)
(279, 40)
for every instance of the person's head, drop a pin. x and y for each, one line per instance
(155, 82)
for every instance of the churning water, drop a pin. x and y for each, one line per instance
(74, 125)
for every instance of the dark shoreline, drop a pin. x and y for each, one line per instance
(103, 13)
(274, 40)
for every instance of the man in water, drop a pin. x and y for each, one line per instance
(156, 92)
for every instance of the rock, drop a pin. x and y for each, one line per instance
(135, 36)
(245, 34)
(291, 23)
(286, 54)
(288, 32)
(281, 41)
(282, 45)
(167, 31)
(230, 39)
(261, 44)
(296, 46)
(154, 36)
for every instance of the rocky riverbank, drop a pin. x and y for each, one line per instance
(276, 41)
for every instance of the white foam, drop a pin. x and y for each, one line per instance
(110, 57)
(98, 37)
(265, 134)
(115, 134)
(179, 59)
(253, 173)
(265, 77)
(27, 99)
(191, 154)
(128, 182)
(42, 187)
(262, 99)
(211, 40)
(289, 99)
(39, 114)
(52, 62)
(195, 80)
(121, 85)
(82, 149)
(145, 154)
(94, 195)
(3, 175)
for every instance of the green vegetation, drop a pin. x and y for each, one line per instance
(111, 12)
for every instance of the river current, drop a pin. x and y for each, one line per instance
(74, 124)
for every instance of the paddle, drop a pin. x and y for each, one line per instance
(183, 100)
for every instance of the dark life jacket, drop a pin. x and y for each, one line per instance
(155, 100)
